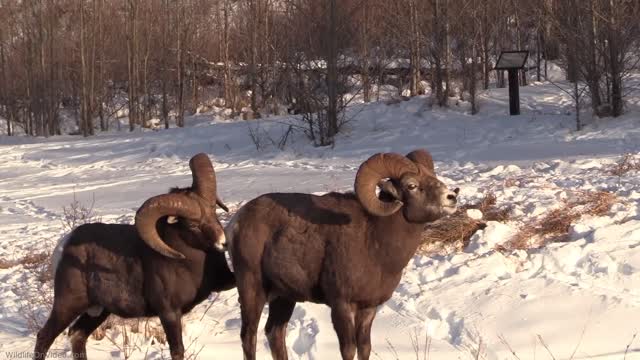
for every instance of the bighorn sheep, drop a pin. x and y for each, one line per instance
(344, 250)
(154, 268)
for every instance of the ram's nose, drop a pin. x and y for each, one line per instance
(450, 201)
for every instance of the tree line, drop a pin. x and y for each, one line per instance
(162, 59)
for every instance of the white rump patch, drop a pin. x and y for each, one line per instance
(57, 253)
(229, 231)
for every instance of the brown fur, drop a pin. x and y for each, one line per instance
(288, 248)
(109, 266)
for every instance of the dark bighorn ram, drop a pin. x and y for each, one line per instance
(344, 250)
(131, 272)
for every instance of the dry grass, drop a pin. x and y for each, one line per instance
(6, 263)
(448, 235)
(77, 213)
(626, 164)
(35, 299)
(141, 335)
(489, 208)
(556, 224)
(453, 233)
(39, 264)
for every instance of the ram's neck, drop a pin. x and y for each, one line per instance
(393, 241)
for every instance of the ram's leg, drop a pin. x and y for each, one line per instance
(80, 331)
(252, 299)
(364, 320)
(172, 324)
(69, 301)
(343, 319)
(280, 311)
(63, 313)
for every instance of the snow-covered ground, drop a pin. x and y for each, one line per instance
(580, 298)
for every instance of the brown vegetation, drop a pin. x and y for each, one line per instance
(626, 164)
(556, 224)
(453, 233)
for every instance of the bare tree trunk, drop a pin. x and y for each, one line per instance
(164, 63)
(501, 39)
(229, 97)
(83, 74)
(91, 96)
(472, 68)
(572, 62)
(592, 74)
(538, 55)
(414, 59)
(253, 57)
(4, 80)
(132, 40)
(486, 67)
(148, 96)
(44, 95)
(10, 120)
(180, 26)
(615, 67)
(523, 72)
(194, 84)
(437, 52)
(332, 73)
(104, 125)
(576, 93)
(54, 126)
(366, 83)
(447, 53)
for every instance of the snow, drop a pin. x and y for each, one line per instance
(580, 296)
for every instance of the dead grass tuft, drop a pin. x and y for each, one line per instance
(595, 203)
(77, 213)
(553, 227)
(556, 224)
(626, 164)
(36, 299)
(6, 263)
(453, 233)
(450, 234)
(39, 264)
(490, 211)
(32, 261)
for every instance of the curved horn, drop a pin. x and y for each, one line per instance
(422, 157)
(222, 205)
(376, 168)
(157, 207)
(204, 178)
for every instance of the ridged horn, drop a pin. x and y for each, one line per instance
(422, 157)
(222, 205)
(204, 177)
(376, 168)
(162, 205)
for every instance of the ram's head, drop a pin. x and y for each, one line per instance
(195, 207)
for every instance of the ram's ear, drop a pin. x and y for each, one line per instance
(388, 191)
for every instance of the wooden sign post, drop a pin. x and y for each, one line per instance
(512, 61)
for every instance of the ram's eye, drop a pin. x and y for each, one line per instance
(412, 187)
(172, 219)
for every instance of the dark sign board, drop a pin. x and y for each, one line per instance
(511, 60)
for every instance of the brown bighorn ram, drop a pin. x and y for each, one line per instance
(155, 268)
(344, 250)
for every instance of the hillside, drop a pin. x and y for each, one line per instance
(579, 298)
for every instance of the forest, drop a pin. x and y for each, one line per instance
(157, 61)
